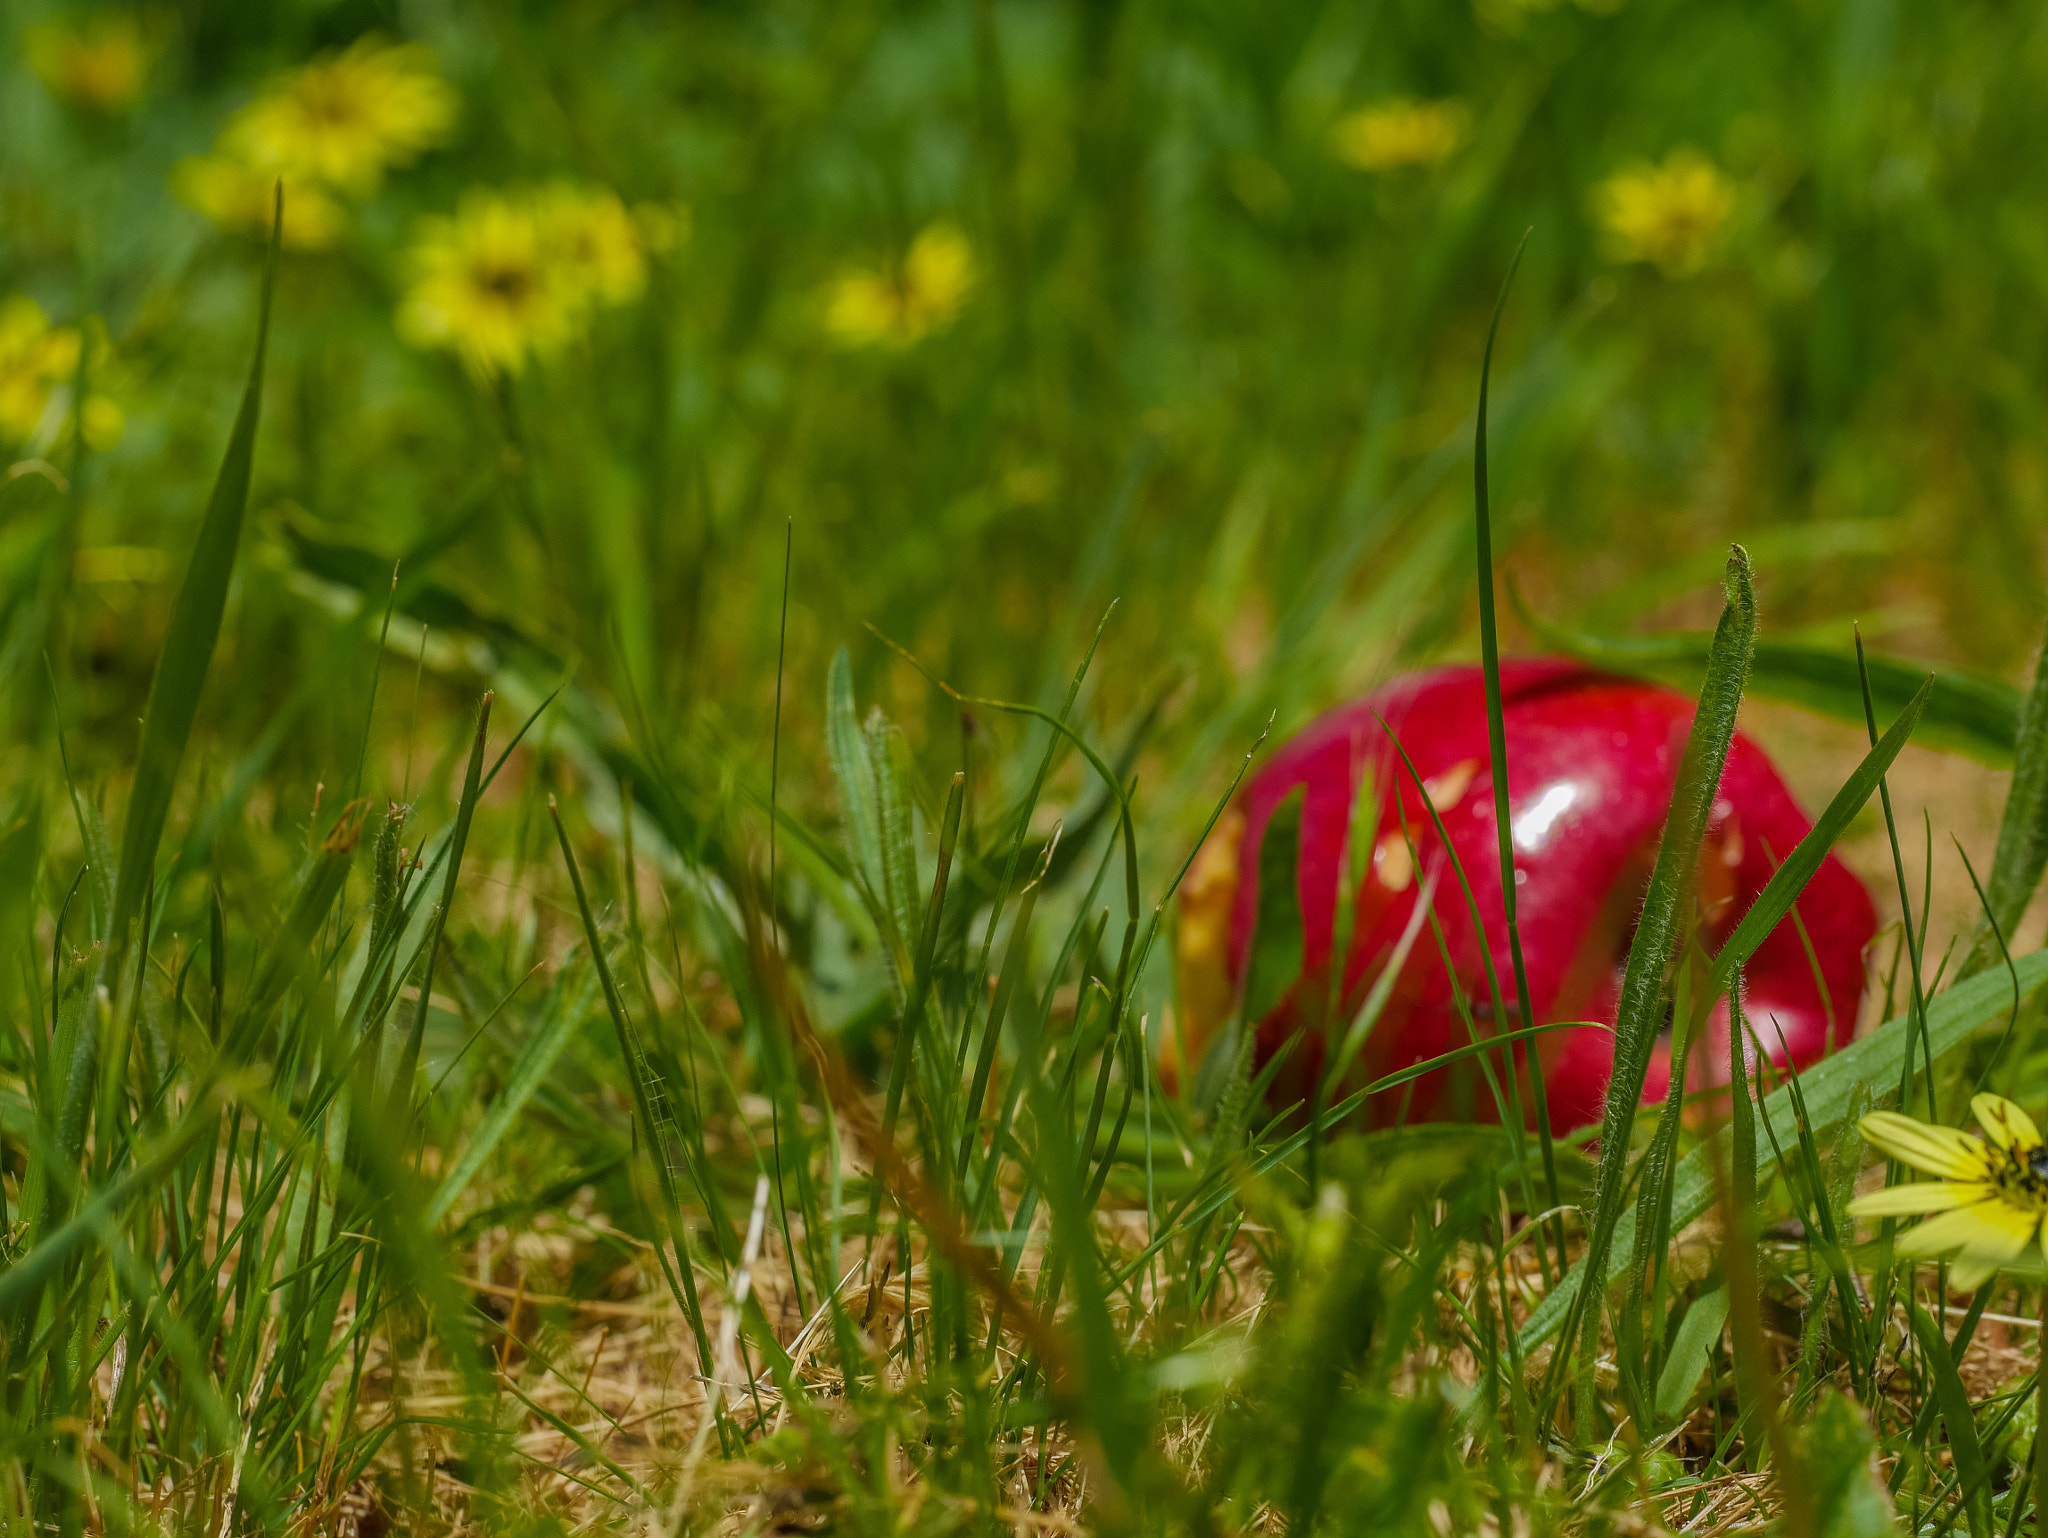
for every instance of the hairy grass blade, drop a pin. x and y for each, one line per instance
(1497, 748)
(1660, 930)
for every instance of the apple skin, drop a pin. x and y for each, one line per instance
(1591, 760)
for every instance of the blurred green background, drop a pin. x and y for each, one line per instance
(1008, 310)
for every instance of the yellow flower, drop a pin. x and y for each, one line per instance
(237, 198)
(1672, 214)
(870, 309)
(38, 363)
(345, 118)
(102, 64)
(593, 242)
(486, 288)
(1990, 1198)
(1397, 133)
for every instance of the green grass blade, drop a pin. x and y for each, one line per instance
(1790, 878)
(853, 766)
(566, 1014)
(1497, 748)
(1275, 960)
(1660, 931)
(1957, 1415)
(2022, 852)
(465, 811)
(1690, 1349)
(188, 643)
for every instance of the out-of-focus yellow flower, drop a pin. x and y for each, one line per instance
(486, 287)
(104, 422)
(238, 198)
(101, 64)
(1990, 1194)
(869, 309)
(1392, 134)
(345, 118)
(1673, 215)
(592, 241)
(38, 362)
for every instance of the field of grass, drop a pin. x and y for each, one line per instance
(600, 726)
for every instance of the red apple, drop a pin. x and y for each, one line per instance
(1590, 765)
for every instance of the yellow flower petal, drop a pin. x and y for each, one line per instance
(1913, 1200)
(2005, 1123)
(1929, 1149)
(1988, 1231)
(1972, 1271)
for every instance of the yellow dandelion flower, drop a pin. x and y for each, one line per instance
(1990, 1198)
(1392, 134)
(345, 118)
(38, 362)
(870, 309)
(1673, 215)
(863, 310)
(938, 271)
(593, 242)
(486, 288)
(237, 198)
(33, 358)
(101, 65)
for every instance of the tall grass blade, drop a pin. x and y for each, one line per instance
(1660, 930)
(465, 812)
(1957, 1416)
(1691, 1349)
(2022, 852)
(1274, 963)
(194, 628)
(1497, 748)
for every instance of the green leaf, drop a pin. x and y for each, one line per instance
(1830, 1088)
(1690, 1349)
(1277, 945)
(1969, 714)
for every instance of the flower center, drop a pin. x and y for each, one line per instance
(511, 286)
(2023, 1178)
